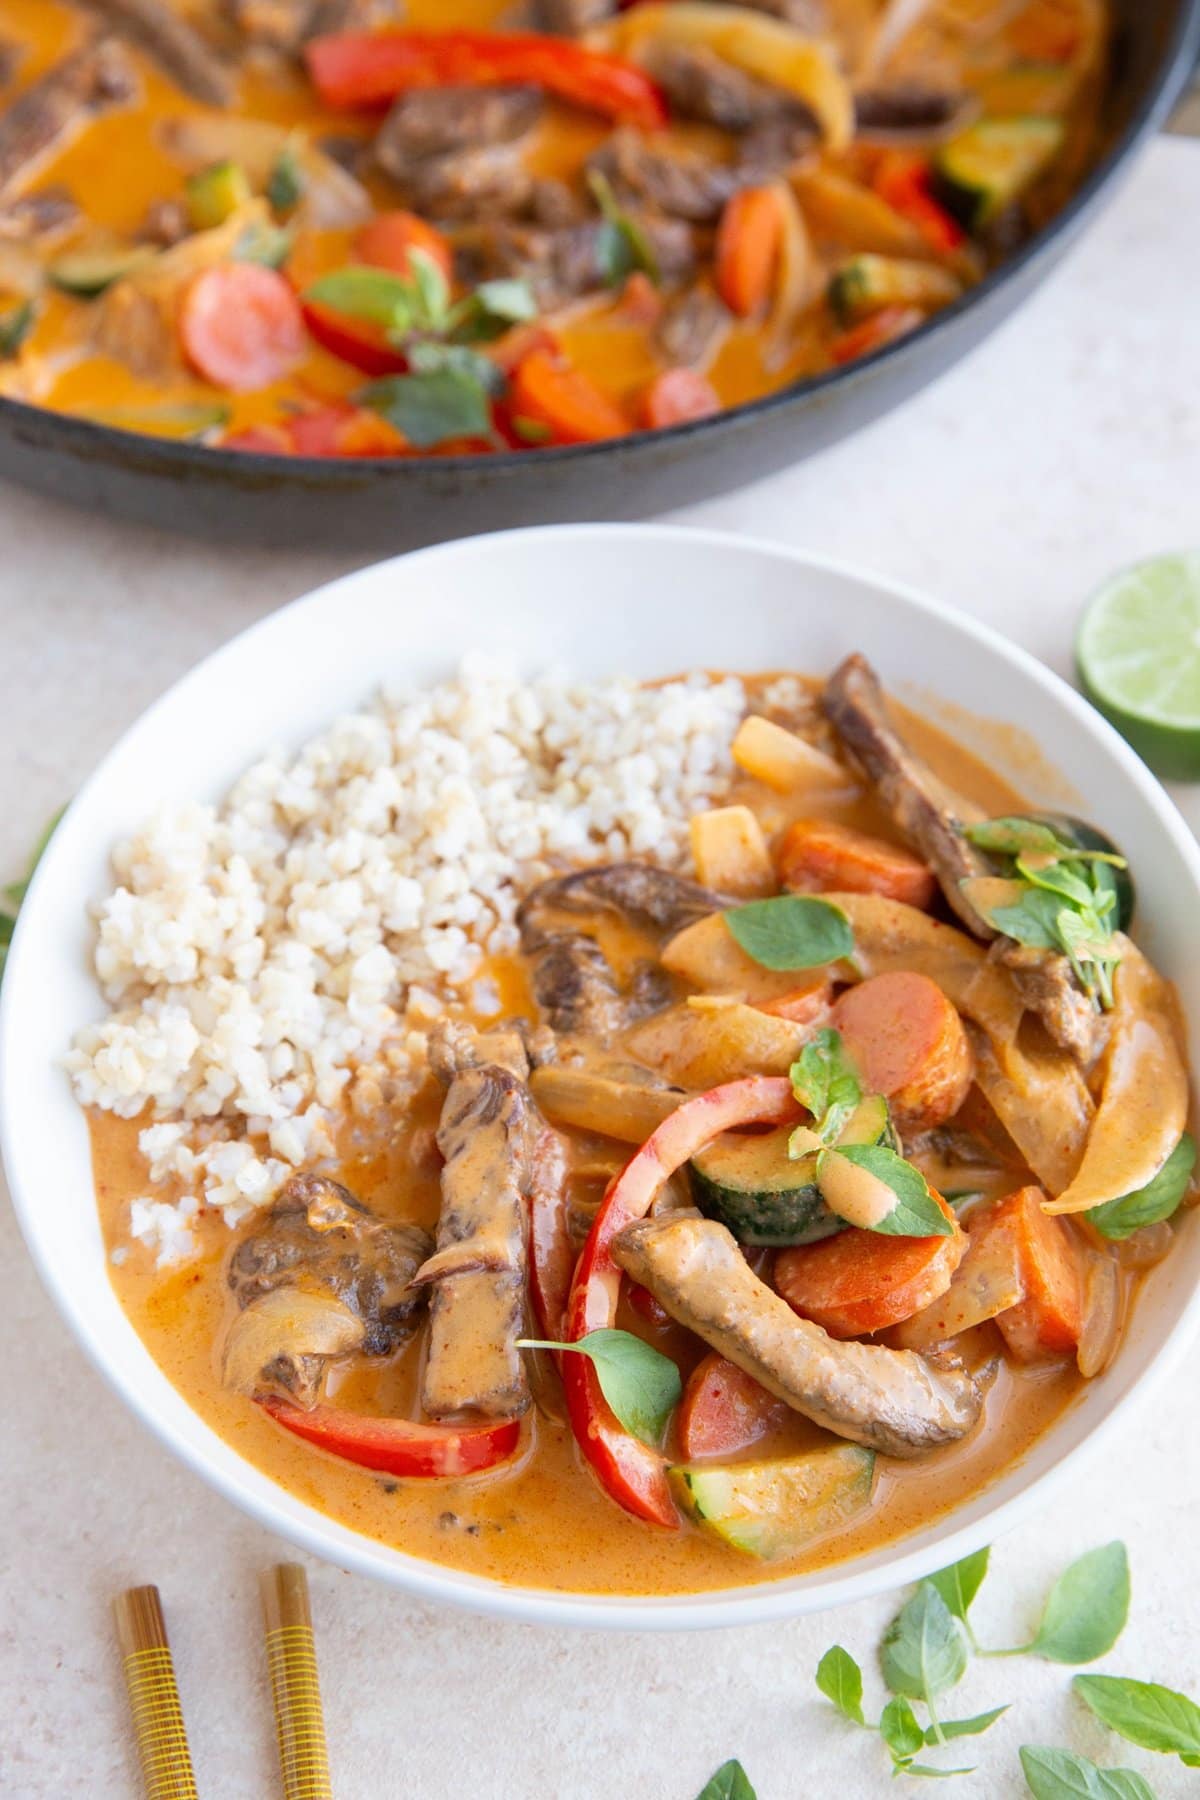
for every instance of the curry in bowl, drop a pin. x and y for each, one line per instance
(347, 228)
(631, 1139)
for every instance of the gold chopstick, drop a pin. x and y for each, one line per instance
(154, 1697)
(292, 1664)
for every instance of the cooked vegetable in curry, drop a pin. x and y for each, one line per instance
(363, 228)
(743, 1218)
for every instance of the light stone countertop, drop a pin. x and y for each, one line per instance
(1067, 445)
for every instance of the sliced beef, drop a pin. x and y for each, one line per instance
(67, 97)
(702, 85)
(569, 18)
(683, 184)
(562, 265)
(285, 26)
(319, 1277)
(487, 1134)
(908, 109)
(166, 223)
(892, 1400)
(176, 46)
(775, 145)
(441, 121)
(1047, 985)
(39, 218)
(693, 327)
(485, 183)
(554, 205)
(654, 899)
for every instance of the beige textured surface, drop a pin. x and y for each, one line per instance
(1068, 444)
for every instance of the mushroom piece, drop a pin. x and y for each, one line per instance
(891, 1400)
(175, 46)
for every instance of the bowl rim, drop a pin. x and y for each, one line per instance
(839, 1584)
(1161, 90)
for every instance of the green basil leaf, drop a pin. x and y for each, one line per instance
(1087, 1608)
(431, 408)
(285, 183)
(642, 1386)
(430, 289)
(365, 293)
(915, 1768)
(730, 1782)
(1157, 1718)
(1032, 920)
(428, 357)
(622, 244)
(1068, 878)
(793, 931)
(959, 1584)
(15, 327)
(825, 1080)
(491, 310)
(956, 1728)
(1159, 1199)
(1061, 1775)
(1011, 836)
(899, 1729)
(916, 1212)
(263, 243)
(924, 1649)
(840, 1680)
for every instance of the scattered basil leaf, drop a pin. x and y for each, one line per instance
(1155, 1717)
(899, 1729)
(623, 244)
(1087, 1608)
(1061, 1775)
(491, 309)
(959, 1584)
(915, 1768)
(285, 183)
(825, 1080)
(431, 408)
(1159, 1199)
(15, 891)
(924, 1650)
(730, 1782)
(376, 295)
(642, 1386)
(15, 327)
(840, 1680)
(916, 1212)
(793, 931)
(1013, 836)
(956, 1728)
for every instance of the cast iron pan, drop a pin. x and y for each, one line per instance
(378, 505)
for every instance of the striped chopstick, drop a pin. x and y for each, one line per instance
(295, 1691)
(154, 1697)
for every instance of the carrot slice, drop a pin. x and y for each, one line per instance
(724, 1410)
(749, 241)
(863, 1281)
(385, 243)
(241, 326)
(802, 1005)
(883, 327)
(340, 430)
(909, 1043)
(1049, 1319)
(552, 391)
(816, 856)
(676, 398)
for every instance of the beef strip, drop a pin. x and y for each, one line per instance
(39, 218)
(891, 1400)
(68, 96)
(484, 183)
(775, 145)
(569, 18)
(702, 85)
(693, 327)
(176, 46)
(908, 109)
(932, 816)
(562, 265)
(285, 26)
(681, 183)
(318, 1239)
(652, 898)
(455, 151)
(487, 1135)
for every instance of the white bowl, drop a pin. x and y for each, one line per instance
(650, 601)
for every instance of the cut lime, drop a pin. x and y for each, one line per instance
(1138, 655)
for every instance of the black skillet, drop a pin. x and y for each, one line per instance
(379, 505)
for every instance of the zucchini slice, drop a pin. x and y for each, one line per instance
(87, 273)
(765, 1197)
(215, 194)
(774, 1509)
(866, 283)
(979, 172)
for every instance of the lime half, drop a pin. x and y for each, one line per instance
(1138, 655)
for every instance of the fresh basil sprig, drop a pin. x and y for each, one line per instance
(1066, 897)
(642, 1386)
(1086, 1610)
(924, 1652)
(1158, 1200)
(792, 931)
(730, 1782)
(825, 1080)
(285, 183)
(1154, 1717)
(623, 244)
(1061, 1775)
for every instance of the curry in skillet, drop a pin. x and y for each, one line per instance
(358, 228)
(714, 1214)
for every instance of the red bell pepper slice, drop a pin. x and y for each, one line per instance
(903, 180)
(352, 69)
(399, 1446)
(634, 1473)
(355, 341)
(883, 327)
